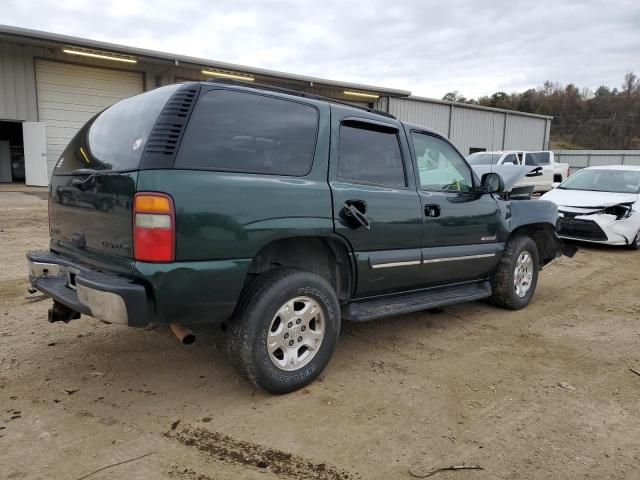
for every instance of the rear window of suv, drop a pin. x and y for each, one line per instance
(115, 138)
(251, 133)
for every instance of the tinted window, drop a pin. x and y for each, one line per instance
(370, 154)
(538, 158)
(115, 138)
(440, 166)
(243, 132)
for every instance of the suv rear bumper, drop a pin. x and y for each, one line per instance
(106, 296)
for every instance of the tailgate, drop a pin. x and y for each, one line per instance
(90, 219)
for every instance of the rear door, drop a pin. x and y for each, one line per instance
(541, 159)
(460, 225)
(375, 203)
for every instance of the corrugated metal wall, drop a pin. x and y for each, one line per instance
(18, 80)
(17, 83)
(426, 114)
(183, 74)
(471, 128)
(468, 127)
(525, 133)
(578, 159)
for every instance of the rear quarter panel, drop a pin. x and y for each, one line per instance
(222, 216)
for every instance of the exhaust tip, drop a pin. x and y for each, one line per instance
(189, 339)
(186, 336)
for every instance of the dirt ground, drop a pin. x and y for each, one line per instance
(542, 393)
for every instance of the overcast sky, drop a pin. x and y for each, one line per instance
(428, 47)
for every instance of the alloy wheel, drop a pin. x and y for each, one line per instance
(296, 333)
(523, 274)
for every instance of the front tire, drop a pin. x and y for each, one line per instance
(635, 243)
(285, 329)
(516, 278)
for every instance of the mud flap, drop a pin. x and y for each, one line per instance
(568, 250)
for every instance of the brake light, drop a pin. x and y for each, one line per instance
(154, 227)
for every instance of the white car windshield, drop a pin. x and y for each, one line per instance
(483, 158)
(618, 181)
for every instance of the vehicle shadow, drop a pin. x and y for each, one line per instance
(152, 359)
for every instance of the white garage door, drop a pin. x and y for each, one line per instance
(69, 95)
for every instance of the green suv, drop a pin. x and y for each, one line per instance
(276, 215)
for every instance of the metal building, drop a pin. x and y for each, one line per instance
(473, 128)
(51, 84)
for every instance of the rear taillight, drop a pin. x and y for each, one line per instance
(154, 227)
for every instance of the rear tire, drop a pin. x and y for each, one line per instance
(285, 329)
(516, 278)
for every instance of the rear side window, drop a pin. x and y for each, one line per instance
(538, 158)
(115, 138)
(370, 154)
(244, 132)
(511, 158)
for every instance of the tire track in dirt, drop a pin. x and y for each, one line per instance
(229, 450)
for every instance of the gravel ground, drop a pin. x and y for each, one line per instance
(545, 392)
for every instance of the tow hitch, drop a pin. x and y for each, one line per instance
(61, 313)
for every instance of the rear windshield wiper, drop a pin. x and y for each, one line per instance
(91, 174)
(93, 171)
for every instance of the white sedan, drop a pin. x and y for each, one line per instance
(600, 204)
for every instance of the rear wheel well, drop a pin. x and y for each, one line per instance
(326, 257)
(544, 236)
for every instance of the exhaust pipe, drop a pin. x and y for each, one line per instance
(185, 335)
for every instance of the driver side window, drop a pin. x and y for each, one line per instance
(440, 166)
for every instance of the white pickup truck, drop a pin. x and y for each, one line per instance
(551, 172)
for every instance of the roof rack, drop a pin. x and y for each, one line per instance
(297, 93)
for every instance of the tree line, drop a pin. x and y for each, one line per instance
(607, 118)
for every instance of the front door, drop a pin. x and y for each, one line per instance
(460, 225)
(375, 203)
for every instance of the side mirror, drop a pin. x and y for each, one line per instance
(492, 183)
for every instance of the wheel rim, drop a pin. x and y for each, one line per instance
(523, 274)
(296, 333)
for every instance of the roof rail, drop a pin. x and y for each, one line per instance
(297, 93)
